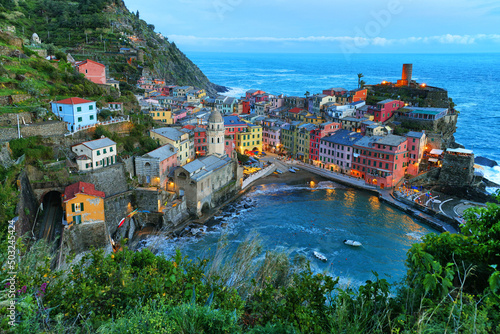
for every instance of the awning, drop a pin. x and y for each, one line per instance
(435, 151)
(433, 160)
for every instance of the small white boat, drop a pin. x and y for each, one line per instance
(279, 172)
(296, 169)
(352, 243)
(291, 170)
(320, 256)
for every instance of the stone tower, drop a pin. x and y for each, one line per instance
(215, 133)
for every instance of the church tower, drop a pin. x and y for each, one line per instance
(215, 133)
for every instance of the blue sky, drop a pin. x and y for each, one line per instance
(356, 26)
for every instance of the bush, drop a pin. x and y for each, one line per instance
(32, 147)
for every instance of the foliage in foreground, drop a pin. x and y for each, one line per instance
(452, 285)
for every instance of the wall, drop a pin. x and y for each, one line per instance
(83, 237)
(264, 172)
(148, 199)
(44, 129)
(457, 170)
(9, 119)
(109, 179)
(175, 214)
(27, 206)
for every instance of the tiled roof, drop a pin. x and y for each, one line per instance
(295, 110)
(343, 137)
(88, 61)
(81, 188)
(73, 100)
(162, 153)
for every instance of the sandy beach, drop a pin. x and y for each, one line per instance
(299, 177)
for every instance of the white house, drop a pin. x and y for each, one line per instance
(95, 154)
(76, 112)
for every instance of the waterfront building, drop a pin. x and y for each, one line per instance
(76, 112)
(289, 137)
(250, 139)
(321, 131)
(416, 148)
(384, 110)
(95, 154)
(152, 168)
(304, 134)
(422, 114)
(337, 149)
(178, 139)
(200, 182)
(83, 204)
(381, 161)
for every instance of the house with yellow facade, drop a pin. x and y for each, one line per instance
(250, 139)
(164, 116)
(83, 204)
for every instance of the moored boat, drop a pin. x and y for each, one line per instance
(352, 243)
(291, 170)
(320, 256)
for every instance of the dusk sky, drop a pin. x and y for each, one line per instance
(358, 26)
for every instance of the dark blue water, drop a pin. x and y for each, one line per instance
(471, 81)
(300, 220)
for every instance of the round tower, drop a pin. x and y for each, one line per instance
(215, 133)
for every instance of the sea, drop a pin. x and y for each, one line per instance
(300, 219)
(470, 78)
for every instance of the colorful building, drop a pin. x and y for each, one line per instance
(381, 161)
(152, 168)
(304, 133)
(359, 94)
(78, 113)
(95, 154)
(164, 116)
(416, 148)
(250, 139)
(83, 204)
(321, 131)
(337, 149)
(93, 71)
(385, 109)
(200, 141)
(179, 139)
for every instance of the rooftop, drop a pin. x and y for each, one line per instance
(343, 137)
(98, 143)
(168, 132)
(73, 100)
(71, 191)
(162, 153)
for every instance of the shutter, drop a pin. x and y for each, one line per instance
(81, 207)
(73, 207)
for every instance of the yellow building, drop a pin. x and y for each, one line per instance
(250, 139)
(164, 116)
(313, 119)
(83, 204)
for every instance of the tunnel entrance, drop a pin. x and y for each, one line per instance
(50, 224)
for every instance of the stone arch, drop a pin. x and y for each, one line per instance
(182, 176)
(205, 208)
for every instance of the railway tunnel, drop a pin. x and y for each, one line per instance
(51, 223)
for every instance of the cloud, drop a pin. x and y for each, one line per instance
(377, 41)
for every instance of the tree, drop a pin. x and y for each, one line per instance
(360, 82)
(307, 94)
(137, 14)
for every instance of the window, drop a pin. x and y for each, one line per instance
(80, 119)
(91, 117)
(386, 166)
(98, 152)
(91, 107)
(60, 108)
(111, 149)
(78, 108)
(104, 151)
(395, 166)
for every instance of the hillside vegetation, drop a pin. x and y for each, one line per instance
(97, 29)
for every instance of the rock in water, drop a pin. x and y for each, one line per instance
(485, 162)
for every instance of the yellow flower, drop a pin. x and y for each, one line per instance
(45, 275)
(175, 264)
(112, 256)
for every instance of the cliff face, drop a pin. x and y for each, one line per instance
(106, 31)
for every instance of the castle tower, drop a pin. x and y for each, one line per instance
(406, 75)
(215, 133)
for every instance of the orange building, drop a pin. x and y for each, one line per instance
(359, 94)
(93, 71)
(83, 204)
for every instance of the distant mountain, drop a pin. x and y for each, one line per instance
(105, 31)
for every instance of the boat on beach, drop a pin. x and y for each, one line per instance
(320, 256)
(291, 169)
(352, 243)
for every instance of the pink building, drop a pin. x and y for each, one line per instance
(277, 101)
(178, 115)
(385, 109)
(381, 161)
(323, 130)
(93, 71)
(336, 151)
(271, 138)
(229, 145)
(416, 148)
(152, 168)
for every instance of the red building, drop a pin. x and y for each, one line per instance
(233, 125)
(381, 161)
(200, 141)
(93, 71)
(252, 92)
(335, 91)
(245, 107)
(323, 130)
(358, 95)
(385, 109)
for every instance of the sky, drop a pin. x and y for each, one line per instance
(326, 26)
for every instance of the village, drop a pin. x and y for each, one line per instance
(210, 149)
